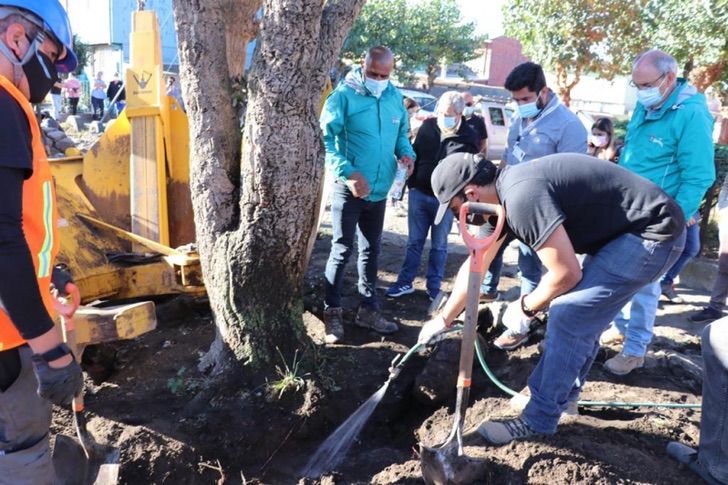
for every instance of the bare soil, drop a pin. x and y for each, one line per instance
(140, 391)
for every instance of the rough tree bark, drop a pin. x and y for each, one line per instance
(241, 27)
(255, 205)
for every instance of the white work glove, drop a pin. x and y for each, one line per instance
(431, 329)
(515, 320)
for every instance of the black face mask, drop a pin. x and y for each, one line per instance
(42, 75)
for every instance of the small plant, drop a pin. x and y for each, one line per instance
(176, 384)
(290, 380)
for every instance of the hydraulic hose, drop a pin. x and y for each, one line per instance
(488, 372)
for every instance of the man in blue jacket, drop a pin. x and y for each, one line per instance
(669, 143)
(365, 128)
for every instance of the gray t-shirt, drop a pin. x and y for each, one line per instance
(595, 201)
(555, 130)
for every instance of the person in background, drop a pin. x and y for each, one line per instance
(365, 131)
(692, 248)
(601, 140)
(73, 92)
(475, 121)
(543, 126)
(98, 95)
(412, 108)
(116, 104)
(174, 90)
(668, 142)
(710, 460)
(437, 138)
(57, 99)
(718, 296)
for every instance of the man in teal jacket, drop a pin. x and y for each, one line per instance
(668, 142)
(365, 128)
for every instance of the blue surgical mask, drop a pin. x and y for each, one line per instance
(375, 86)
(447, 122)
(529, 110)
(649, 97)
(468, 111)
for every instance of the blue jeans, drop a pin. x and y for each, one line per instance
(576, 319)
(636, 320)
(421, 212)
(713, 447)
(350, 216)
(692, 248)
(529, 267)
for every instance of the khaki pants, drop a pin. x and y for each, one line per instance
(25, 418)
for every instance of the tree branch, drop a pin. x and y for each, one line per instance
(336, 20)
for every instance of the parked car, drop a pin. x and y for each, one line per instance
(497, 119)
(426, 101)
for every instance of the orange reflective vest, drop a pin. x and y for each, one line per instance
(39, 219)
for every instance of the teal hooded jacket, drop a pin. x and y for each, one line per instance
(365, 134)
(672, 146)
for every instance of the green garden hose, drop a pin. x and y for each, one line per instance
(511, 392)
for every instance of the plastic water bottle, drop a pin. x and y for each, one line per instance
(399, 180)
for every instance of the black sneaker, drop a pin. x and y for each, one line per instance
(707, 314)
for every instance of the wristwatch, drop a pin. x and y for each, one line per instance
(527, 311)
(60, 350)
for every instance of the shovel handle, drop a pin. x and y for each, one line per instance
(66, 307)
(477, 245)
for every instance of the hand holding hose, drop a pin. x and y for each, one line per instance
(431, 329)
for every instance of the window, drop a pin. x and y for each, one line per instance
(496, 116)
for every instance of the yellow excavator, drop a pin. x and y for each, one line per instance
(118, 236)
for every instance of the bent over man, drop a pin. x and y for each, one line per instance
(36, 368)
(561, 205)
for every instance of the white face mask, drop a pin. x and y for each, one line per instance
(447, 122)
(376, 87)
(599, 140)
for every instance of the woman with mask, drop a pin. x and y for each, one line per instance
(437, 138)
(601, 140)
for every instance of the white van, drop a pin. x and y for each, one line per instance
(497, 119)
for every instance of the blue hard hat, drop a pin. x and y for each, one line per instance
(55, 22)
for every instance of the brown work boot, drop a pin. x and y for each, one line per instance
(334, 325)
(611, 336)
(368, 317)
(622, 364)
(488, 297)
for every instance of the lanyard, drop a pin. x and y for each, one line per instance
(532, 125)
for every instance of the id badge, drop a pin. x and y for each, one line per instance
(518, 153)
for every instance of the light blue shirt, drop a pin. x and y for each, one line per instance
(555, 130)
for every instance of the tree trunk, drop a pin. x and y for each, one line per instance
(563, 85)
(254, 217)
(240, 28)
(432, 71)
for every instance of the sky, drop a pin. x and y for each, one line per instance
(486, 14)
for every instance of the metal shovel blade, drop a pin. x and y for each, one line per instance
(445, 466)
(74, 468)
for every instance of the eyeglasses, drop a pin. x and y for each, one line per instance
(646, 85)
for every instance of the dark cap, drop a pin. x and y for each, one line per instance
(451, 176)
